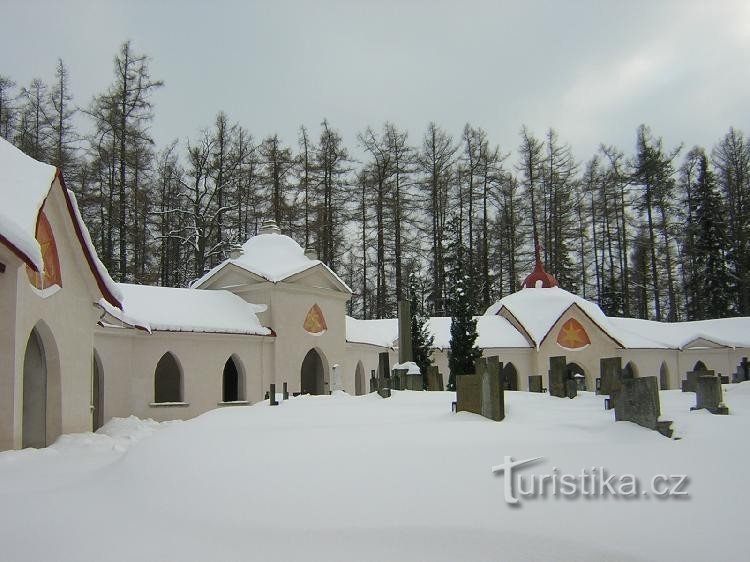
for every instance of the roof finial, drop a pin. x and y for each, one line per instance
(539, 278)
(269, 226)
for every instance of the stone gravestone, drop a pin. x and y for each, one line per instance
(286, 392)
(638, 402)
(434, 379)
(373, 381)
(482, 392)
(493, 390)
(398, 379)
(384, 372)
(689, 384)
(468, 394)
(558, 376)
(404, 332)
(708, 395)
(571, 388)
(610, 374)
(272, 396)
(742, 373)
(535, 383)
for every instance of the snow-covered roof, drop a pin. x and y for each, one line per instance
(728, 332)
(24, 185)
(381, 332)
(493, 332)
(538, 309)
(274, 257)
(188, 310)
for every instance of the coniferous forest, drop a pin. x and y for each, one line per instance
(648, 231)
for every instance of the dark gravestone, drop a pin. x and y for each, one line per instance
(398, 379)
(482, 392)
(571, 387)
(558, 376)
(708, 395)
(493, 364)
(610, 374)
(689, 384)
(384, 365)
(724, 379)
(535, 383)
(742, 373)
(373, 381)
(493, 391)
(272, 396)
(468, 394)
(286, 392)
(414, 382)
(434, 379)
(404, 332)
(638, 402)
(384, 374)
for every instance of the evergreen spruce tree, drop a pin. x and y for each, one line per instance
(463, 352)
(710, 283)
(421, 338)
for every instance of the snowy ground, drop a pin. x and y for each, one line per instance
(344, 478)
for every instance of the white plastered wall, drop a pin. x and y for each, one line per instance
(65, 319)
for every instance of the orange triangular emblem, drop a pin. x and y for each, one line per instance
(315, 323)
(51, 274)
(572, 335)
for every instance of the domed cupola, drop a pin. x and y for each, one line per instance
(539, 278)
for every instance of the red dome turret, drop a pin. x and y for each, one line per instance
(539, 278)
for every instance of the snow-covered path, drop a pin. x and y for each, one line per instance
(345, 478)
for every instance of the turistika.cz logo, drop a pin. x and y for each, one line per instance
(594, 482)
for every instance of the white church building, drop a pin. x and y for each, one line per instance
(77, 349)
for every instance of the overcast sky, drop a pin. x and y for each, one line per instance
(593, 70)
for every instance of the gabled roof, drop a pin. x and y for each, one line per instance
(188, 310)
(273, 257)
(25, 184)
(537, 310)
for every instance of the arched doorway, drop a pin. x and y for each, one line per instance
(630, 371)
(167, 380)
(97, 393)
(359, 379)
(34, 424)
(578, 374)
(510, 377)
(233, 381)
(700, 366)
(664, 376)
(314, 374)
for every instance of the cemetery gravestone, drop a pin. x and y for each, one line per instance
(689, 384)
(638, 402)
(493, 391)
(535, 383)
(708, 395)
(482, 392)
(434, 379)
(272, 396)
(742, 373)
(610, 369)
(558, 376)
(384, 372)
(571, 388)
